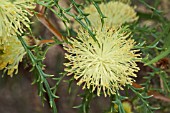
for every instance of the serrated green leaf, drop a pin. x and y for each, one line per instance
(79, 106)
(162, 55)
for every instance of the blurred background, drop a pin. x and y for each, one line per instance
(17, 95)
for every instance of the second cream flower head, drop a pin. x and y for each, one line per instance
(117, 13)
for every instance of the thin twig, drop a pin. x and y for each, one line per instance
(51, 28)
(47, 24)
(155, 94)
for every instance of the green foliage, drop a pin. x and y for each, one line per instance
(40, 76)
(86, 99)
(152, 40)
(63, 12)
(118, 101)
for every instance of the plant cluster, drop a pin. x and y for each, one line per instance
(108, 44)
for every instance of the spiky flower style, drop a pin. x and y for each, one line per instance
(107, 65)
(117, 13)
(14, 17)
(11, 53)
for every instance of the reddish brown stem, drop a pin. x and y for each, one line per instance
(45, 41)
(50, 27)
(47, 24)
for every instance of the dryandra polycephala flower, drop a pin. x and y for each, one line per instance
(106, 65)
(117, 13)
(11, 53)
(14, 17)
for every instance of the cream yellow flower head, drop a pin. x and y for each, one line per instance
(107, 65)
(11, 53)
(14, 17)
(117, 13)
